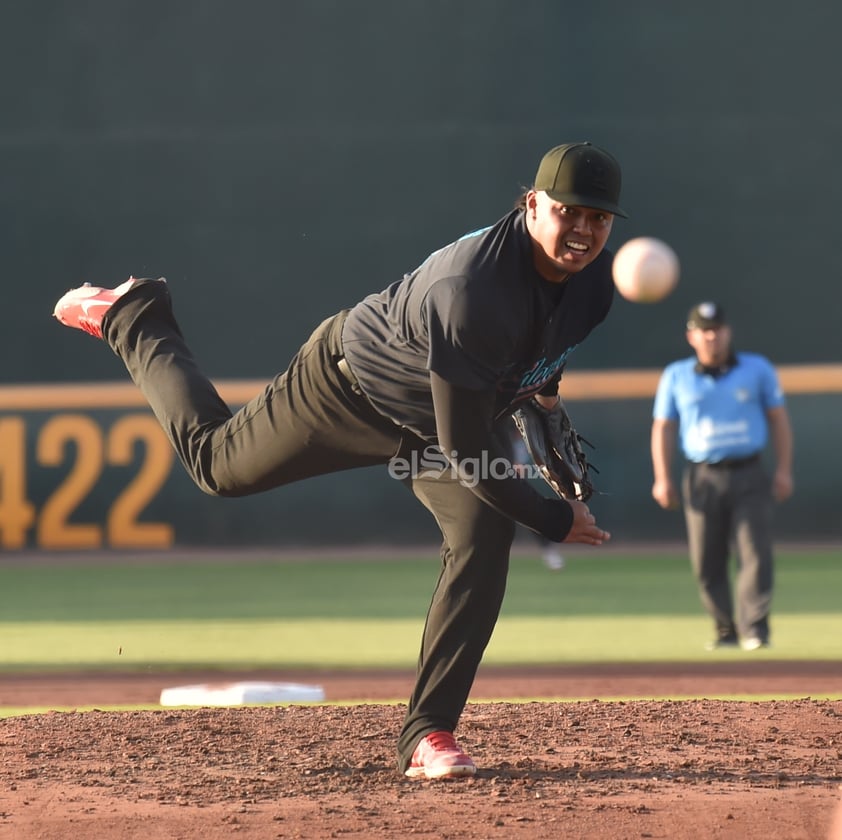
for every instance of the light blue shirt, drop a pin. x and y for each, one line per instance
(723, 416)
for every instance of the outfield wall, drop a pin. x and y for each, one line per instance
(277, 162)
(87, 467)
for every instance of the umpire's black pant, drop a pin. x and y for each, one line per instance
(309, 421)
(727, 505)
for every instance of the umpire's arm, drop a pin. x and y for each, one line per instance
(663, 445)
(780, 431)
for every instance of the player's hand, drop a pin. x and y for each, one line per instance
(782, 485)
(584, 528)
(665, 494)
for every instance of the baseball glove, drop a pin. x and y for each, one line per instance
(555, 447)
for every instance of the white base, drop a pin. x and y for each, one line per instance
(241, 693)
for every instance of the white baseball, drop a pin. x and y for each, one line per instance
(645, 270)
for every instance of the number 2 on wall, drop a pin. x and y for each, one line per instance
(53, 529)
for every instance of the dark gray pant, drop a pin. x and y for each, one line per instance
(725, 506)
(310, 421)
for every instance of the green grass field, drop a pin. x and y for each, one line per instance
(335, 612)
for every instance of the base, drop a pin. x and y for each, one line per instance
(240, 694)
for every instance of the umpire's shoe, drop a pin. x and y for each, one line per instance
(85, 307)
(438, 756)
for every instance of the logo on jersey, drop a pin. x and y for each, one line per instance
(540, 373)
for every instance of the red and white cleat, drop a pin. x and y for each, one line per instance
(438, 756)
(83, 308)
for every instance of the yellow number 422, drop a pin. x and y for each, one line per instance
(57, 440)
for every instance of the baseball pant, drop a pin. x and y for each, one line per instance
(725, 506)
(310, 420)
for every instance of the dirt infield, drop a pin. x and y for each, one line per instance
(588, 768)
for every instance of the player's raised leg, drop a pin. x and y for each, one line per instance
(308, 421)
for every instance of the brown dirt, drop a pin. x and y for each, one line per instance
(589, 768)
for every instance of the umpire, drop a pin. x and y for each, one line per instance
(724, 406)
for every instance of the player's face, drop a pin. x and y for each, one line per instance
(567, 238)
(712, 346)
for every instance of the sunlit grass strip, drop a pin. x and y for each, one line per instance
(388, 643)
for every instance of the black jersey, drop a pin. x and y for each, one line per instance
(479, 315)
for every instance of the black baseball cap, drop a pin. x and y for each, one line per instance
(581, 174)
(706, 316)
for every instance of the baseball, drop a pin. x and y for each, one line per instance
(645, 270)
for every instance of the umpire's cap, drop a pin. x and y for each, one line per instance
(706, 315)
(581, 174)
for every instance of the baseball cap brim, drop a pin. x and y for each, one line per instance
(575, 200)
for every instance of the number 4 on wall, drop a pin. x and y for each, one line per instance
(53, 528)
(16, 513)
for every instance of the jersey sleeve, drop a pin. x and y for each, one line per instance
(771, 393)
(665, 407)
(465, 432)
(469, 337)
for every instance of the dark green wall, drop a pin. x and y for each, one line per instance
(277, 161)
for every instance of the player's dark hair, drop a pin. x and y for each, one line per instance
(520, 201)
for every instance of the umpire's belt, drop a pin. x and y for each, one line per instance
(345, 369)
(733, 463)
